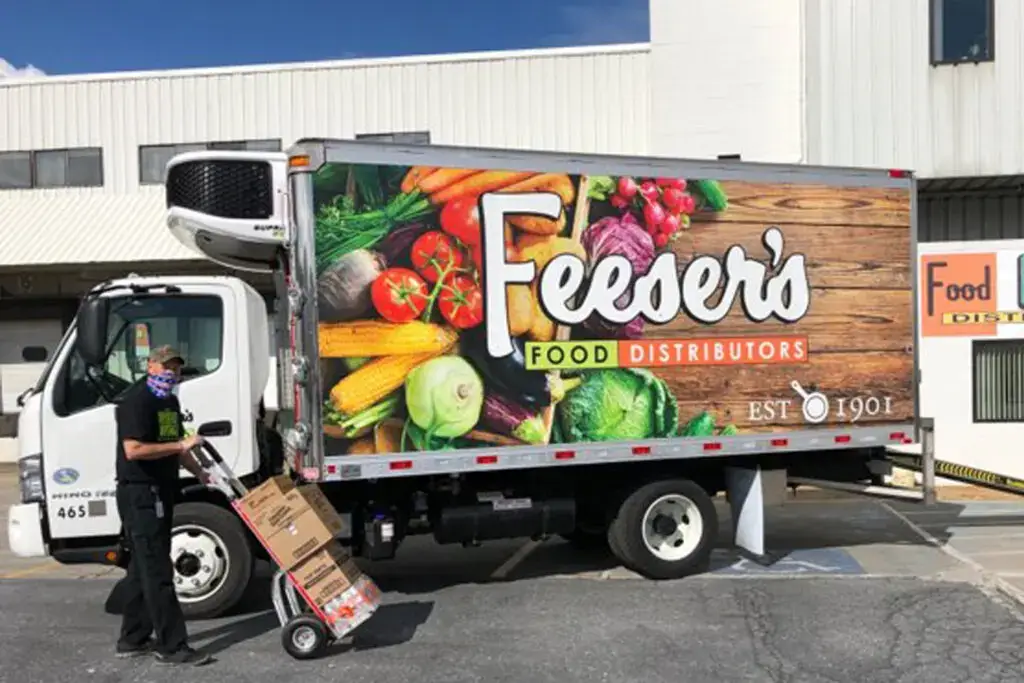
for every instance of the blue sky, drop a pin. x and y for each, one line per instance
(72, 36)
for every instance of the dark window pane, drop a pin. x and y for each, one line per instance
(961, 30)
(15, 170)
(51, 168)
(153, 161)
(999, 380)
(85, 168)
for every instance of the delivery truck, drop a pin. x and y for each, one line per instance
(481, 344)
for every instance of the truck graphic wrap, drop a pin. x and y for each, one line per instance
(466, 308)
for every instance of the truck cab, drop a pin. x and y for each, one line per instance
(229, 394)
(67, 432)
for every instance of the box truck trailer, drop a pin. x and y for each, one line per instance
(482, 344)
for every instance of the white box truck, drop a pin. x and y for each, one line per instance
(484, 344)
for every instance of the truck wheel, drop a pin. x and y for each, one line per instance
(665, 530)
(212, 559)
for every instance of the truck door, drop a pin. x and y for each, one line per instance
(78, 425)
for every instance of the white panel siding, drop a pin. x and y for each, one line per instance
(727, 78)
(580, 100)
(873, 99)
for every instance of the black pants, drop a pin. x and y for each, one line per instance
(151, 605)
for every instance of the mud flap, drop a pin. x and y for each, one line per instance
(746, 489)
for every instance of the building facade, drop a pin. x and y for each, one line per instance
(936, 86)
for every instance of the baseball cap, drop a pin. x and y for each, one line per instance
(162, 354)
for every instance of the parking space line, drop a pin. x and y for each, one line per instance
(28, 571)
(517, 557)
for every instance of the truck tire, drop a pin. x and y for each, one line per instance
(665, 530)
(213, 561)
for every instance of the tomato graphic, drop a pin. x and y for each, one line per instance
(399, 295)
(461, 302)
(433, 253)
(460, 218)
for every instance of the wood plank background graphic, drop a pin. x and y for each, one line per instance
(860, 322)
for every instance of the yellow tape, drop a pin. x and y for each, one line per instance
(572, 355)
(1003, 317)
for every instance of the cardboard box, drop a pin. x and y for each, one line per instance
(263, 505)
(301, 538)
(332, 581)
(277, 503)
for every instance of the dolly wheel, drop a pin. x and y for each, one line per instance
(304, 637)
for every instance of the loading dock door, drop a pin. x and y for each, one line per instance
(25, 346)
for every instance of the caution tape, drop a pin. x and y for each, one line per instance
(962, 473)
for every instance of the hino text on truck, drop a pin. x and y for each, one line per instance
(483, 344)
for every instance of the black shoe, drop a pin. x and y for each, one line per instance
(126, 651)
(183, 655)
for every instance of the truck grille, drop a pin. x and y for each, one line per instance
(223, 188)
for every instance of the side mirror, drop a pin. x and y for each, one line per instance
(91, 330)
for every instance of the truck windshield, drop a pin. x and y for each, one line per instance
(193, 324)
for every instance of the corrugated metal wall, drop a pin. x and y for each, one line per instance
(549, 100)
(950, 218)
(874, 99)
(970, 209)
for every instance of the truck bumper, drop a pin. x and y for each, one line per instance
(25, 530)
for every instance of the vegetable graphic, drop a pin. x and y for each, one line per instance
(372, 338)
(509, 375)
(344, 287)
(399, 295)
(433, 254)
(461, 302)
(373, 381)
(340, 229)
(620, 236)
(618, 404)
(444, 396)
(460, 218)
(478, 183)
(711, 194)
(502, 415)
(361, 423)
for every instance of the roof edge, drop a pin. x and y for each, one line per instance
(358, 62)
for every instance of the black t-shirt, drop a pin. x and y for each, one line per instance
(144, 417)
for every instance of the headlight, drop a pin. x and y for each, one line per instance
(30, 479)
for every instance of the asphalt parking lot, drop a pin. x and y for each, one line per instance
(867, 591)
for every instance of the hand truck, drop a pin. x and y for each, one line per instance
(306, 630)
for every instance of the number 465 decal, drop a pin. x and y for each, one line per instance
(71, 512)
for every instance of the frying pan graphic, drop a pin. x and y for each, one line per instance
(815, 407)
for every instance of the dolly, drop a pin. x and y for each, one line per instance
(306, 631)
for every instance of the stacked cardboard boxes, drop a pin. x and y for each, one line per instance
(299, 526)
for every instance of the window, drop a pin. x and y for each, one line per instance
(962, 31)
(413, 138)
(153, 158)
(999, 380)
(79, 167)
(194, 325)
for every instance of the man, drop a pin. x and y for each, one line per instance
(151, 447)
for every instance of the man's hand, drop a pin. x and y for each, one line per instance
(190, 442)
(204, 477)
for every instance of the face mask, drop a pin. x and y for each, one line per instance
(162, 384)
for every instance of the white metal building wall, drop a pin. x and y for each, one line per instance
(540, 99)
(874, 99)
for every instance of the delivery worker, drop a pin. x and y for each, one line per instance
(151, 447)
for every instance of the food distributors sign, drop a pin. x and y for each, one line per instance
(971, 294)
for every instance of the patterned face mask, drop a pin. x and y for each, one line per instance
(162, 383)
